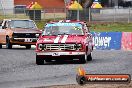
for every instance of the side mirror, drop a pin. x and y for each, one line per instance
(4, 27)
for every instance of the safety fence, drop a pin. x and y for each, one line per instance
(88, 14)
(112, 40)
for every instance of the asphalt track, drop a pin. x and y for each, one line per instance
(18, 68)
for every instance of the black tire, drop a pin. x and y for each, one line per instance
(89, 57)
(28, 46)
(0, 46)
(39, 61)
(83, 59)
(8, 43)
(81, 80)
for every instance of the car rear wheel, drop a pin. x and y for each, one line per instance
(89, 57)
(39, 61)
(8, 43)
(28, 46)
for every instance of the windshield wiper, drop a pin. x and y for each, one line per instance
(77, 34)
(30, 27)
(25, 27)
(17, 27)
(49, 35)
(22, 27)
(56, 34)
(64, 34)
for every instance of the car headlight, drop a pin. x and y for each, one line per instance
(41, 47)
(78, 46)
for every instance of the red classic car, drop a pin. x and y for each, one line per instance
(64, 40)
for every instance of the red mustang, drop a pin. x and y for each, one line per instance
(64, 40)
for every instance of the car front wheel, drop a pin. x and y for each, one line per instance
(89, 57)
(8, 43)
(39, 61)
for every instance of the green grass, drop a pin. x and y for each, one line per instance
(100, 27)
(40, 24)
(112, 27)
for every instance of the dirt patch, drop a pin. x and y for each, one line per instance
(92, 86)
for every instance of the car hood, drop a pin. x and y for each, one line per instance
(18, 30)
(62, 39)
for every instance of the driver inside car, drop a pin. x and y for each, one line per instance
(55, 30)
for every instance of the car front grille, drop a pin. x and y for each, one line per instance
(24, 35)
(57, 47)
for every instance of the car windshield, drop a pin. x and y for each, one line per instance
(63, 28)
(22, 24)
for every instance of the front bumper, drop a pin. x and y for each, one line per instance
(59, 53)
(24, 40)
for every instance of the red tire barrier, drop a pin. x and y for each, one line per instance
(126, 43)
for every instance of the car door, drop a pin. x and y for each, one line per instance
(3, 34)
(89, 39)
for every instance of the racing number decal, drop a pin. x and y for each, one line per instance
(28, 40)
(63, 39)
(57, 39)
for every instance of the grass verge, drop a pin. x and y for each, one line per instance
(100, 27)
(111, 27)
